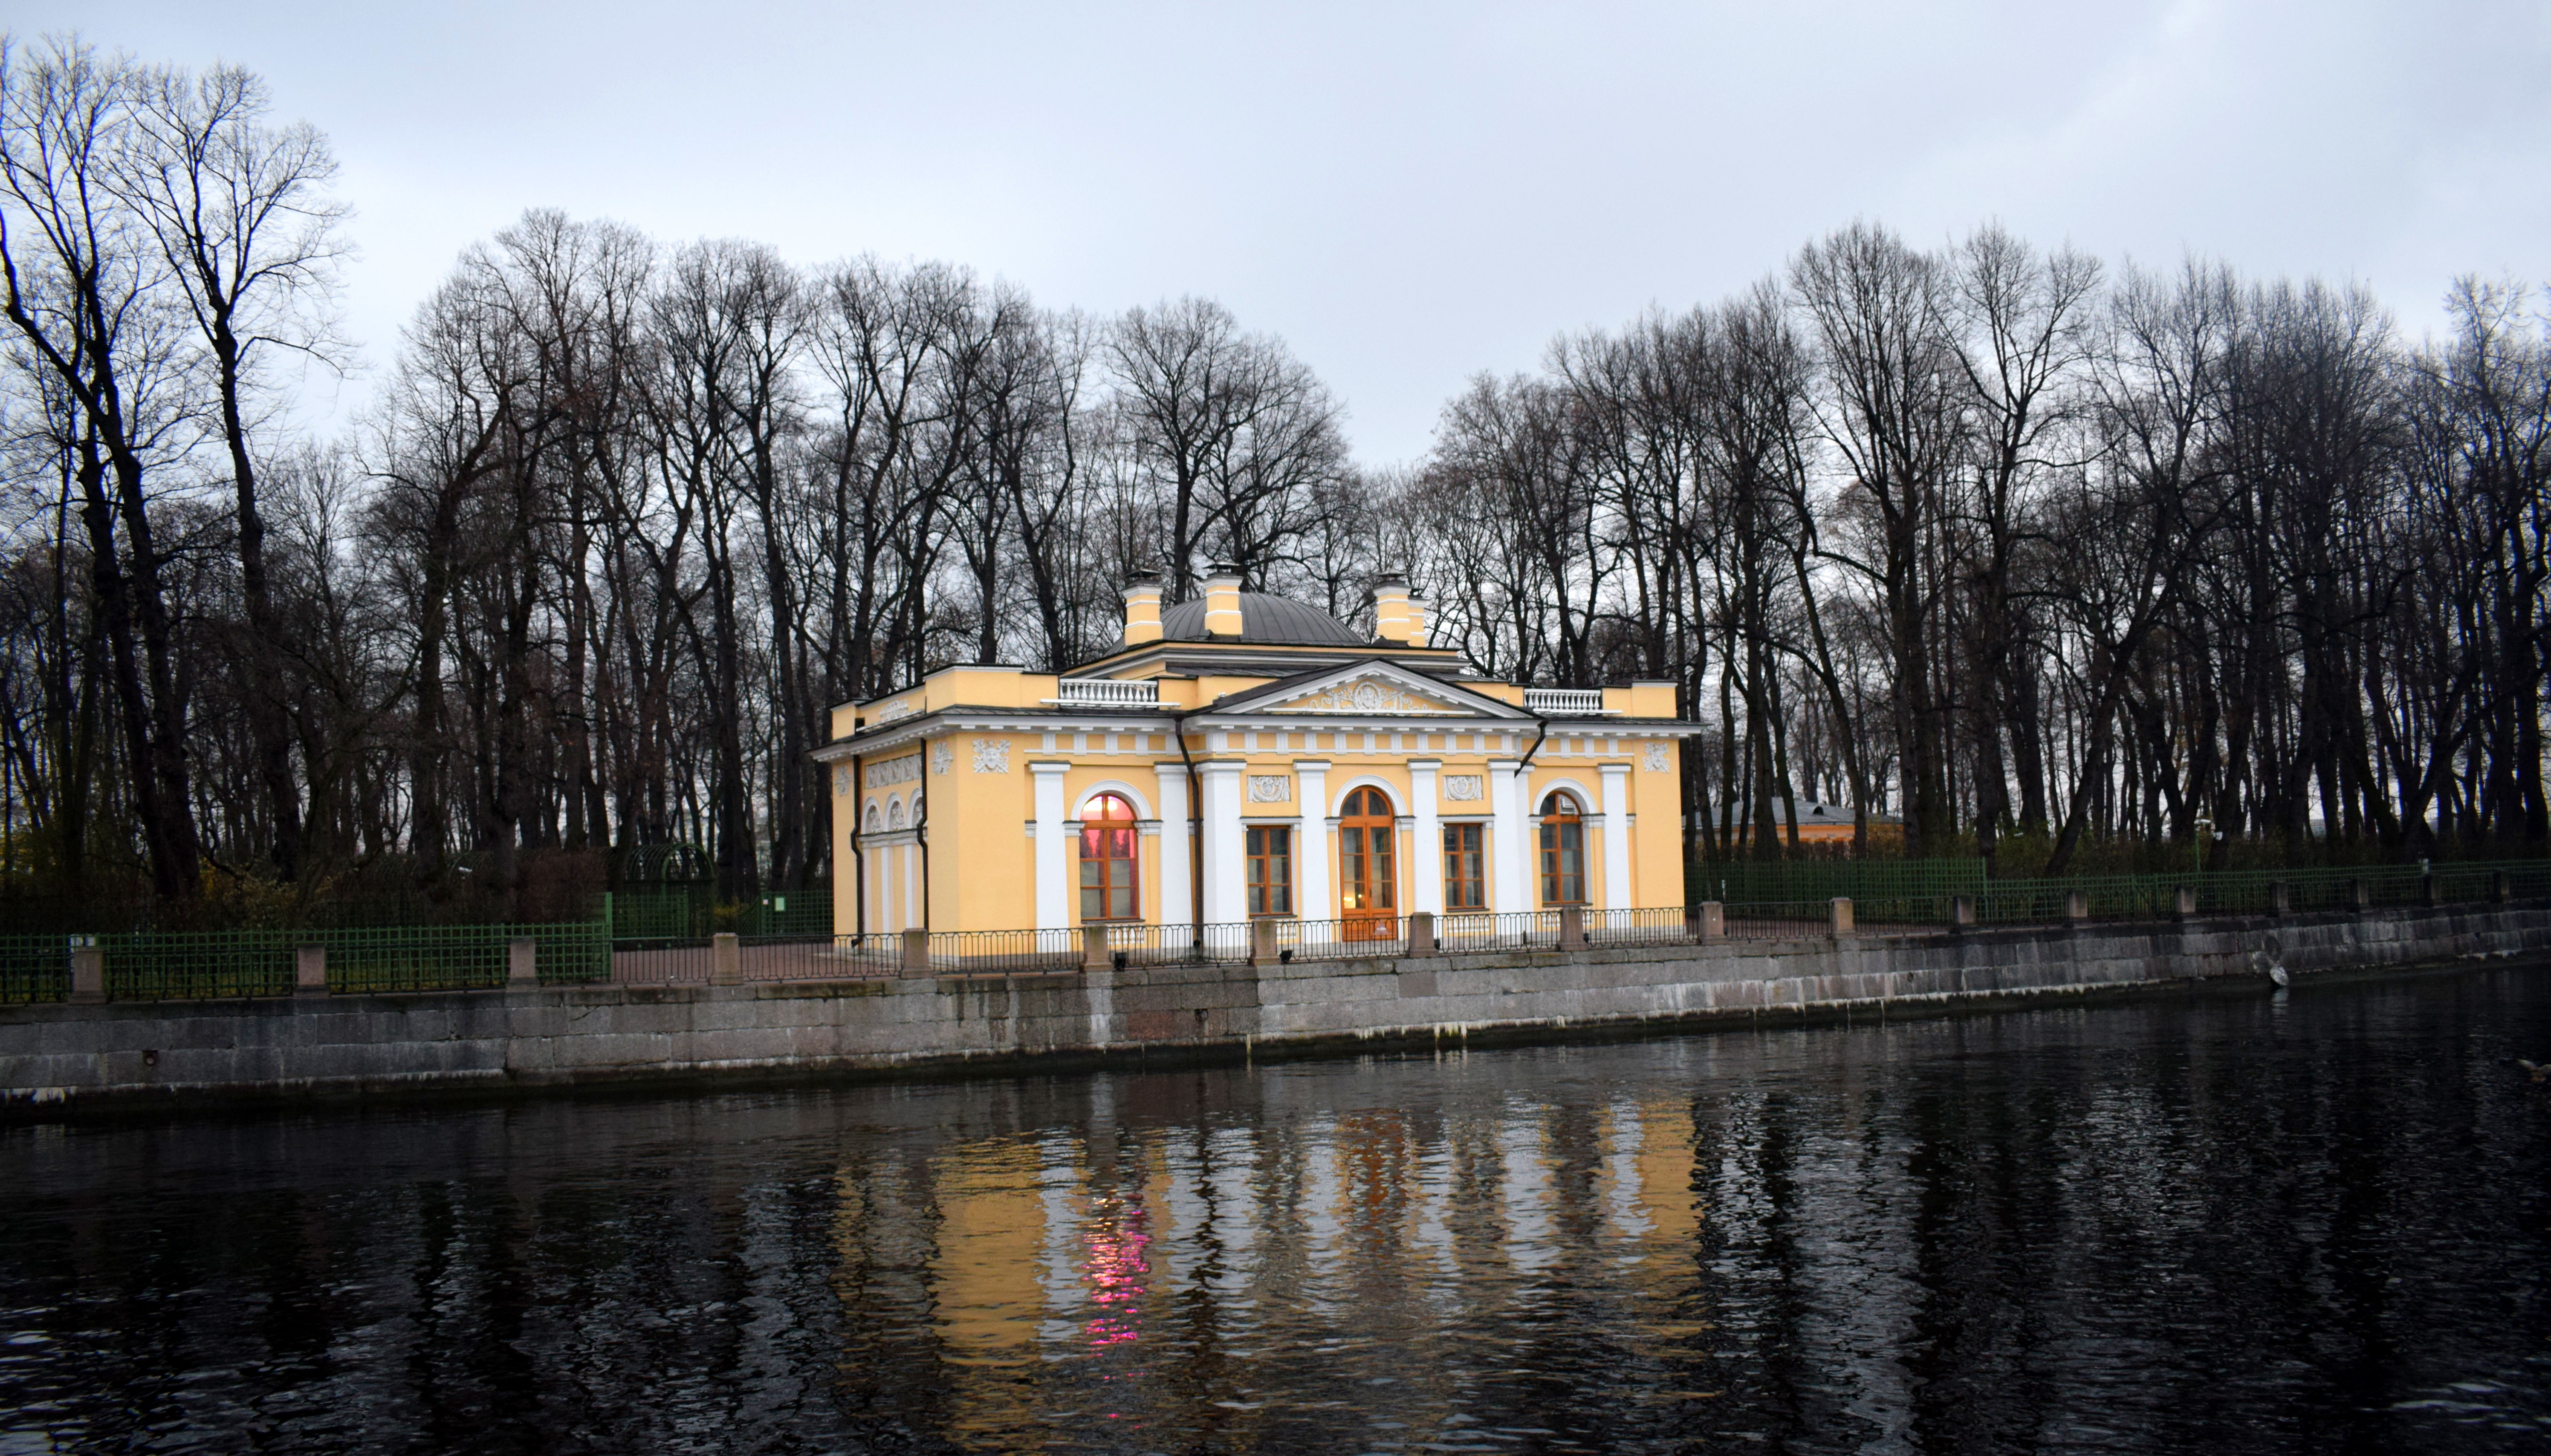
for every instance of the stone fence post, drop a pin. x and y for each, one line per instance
(310, 970)
(915, 952)
(1261, 944)
(1421, 933)
(726, 959)
(1841, 924)
(2182, 903)
(1962, 914)
(1094, 954)
(2077, 908)
(1571, 928)
(1707, 921)
(523, 962)
(88, 970)
(2501, 889)
(2281, 899)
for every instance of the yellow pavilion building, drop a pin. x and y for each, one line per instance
(1243, 758)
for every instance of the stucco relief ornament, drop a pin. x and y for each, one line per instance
(1365, 695)
(894, 772)
(1270, 788)
(1464, 787)
(841, 781)
(992, 756)
(942, 754)
(1656, 761)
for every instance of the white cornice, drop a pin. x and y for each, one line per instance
(881, 740)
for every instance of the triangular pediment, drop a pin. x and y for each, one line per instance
(1367, 690)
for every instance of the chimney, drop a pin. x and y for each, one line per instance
(1416, 620)
(1222, 600)
(1390, 610)
(1142, 609)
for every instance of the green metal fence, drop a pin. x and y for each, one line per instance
(2240, 891)
(1918, 891)
(197, 965)
(35, 967)
(201, 965)
(683, 913)
(462, 957)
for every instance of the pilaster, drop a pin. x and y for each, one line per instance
(1052, 880)
(1426, 855)
(1226, 899)
(1314, 899)
(1510, 891)
(1616, 836)
(1177, 884)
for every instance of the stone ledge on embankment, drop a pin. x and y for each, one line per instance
(57, 1058)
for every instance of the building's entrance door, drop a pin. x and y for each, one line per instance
(1368, 870)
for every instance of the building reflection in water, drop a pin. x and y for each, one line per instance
(1230, 1276)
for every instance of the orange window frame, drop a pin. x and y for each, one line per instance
(1563, 851)
(1466, 867)
(1110, 861)
(1270, 870)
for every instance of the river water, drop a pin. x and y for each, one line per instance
(2309, 1223)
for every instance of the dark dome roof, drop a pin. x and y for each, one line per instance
(1264, 619)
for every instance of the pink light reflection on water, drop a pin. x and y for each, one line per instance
(1116, 1262)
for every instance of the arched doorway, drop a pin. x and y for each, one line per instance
(1563, 850)
(1369, 867)
(1107, 861)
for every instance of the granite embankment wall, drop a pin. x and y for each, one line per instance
(54, 1058)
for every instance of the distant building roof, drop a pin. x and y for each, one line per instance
(1264, 619)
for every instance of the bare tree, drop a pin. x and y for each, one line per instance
(87, 298)
(1893, 413)
(240, 212)
(2021, 343)
(1230, 433)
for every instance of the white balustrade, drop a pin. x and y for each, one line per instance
(1103, 692)
(1565, 702)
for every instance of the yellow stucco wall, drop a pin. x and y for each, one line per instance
(981, 848)
(980, 792)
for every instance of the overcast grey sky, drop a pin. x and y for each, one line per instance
(1410, 194)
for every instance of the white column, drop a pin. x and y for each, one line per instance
(1426, 856)
(864, 866)
(1052, 881)
(1616, 837)
(1178, 886)
(911, 885)
(1527, 840)
(1511, 885)
(1225, 895)
(1313, 897)
(881, 863)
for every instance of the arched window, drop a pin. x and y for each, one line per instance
(874, 821)
(894, 814)
(1367, 873)
(1107, 860)
(1563, 851)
